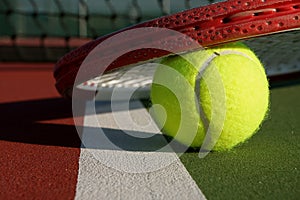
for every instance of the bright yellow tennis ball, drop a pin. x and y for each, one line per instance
(219, 96)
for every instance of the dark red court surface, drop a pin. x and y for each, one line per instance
(39, 144)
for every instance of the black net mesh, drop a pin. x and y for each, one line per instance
(44, 30)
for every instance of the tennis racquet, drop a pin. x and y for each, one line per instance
(269, 27)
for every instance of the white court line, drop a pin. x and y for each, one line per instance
(108, 173)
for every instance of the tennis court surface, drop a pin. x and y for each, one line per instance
(40, 150)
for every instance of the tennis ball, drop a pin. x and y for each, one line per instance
(216, 97)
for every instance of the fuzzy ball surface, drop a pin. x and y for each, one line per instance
(216, 97)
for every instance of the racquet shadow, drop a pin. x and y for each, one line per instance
(23, 122)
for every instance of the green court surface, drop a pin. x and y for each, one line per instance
(265, 167)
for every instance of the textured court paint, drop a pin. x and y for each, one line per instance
(99, 181)
(37, 161)
(266, 167)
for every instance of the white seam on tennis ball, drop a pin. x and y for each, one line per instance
(201, 71)
(232, 52)
(197, 90)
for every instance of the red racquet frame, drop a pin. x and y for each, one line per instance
(210, 25)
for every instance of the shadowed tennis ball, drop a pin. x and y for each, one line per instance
(216, 97)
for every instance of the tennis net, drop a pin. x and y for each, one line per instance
(44, 30)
